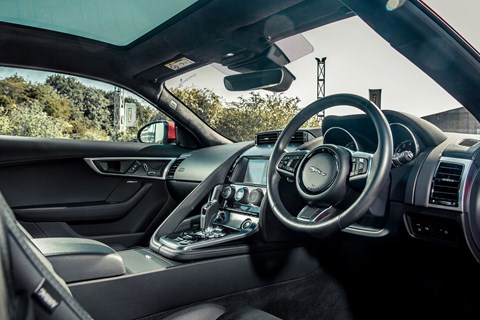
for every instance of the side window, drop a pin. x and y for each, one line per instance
(49, 105)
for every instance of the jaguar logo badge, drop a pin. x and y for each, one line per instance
(317, 170)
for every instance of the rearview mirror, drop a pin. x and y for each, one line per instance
(276, 80)
(160, 132)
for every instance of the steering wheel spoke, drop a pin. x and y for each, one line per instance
(361, 165)
(289, 161)
(313, 213)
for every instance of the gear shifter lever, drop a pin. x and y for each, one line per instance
(209, 210)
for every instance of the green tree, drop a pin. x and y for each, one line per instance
(240, 120)
(52, 103)
(32, 109)
(65, 107)
(13, 92)
(89, 105)
(255, 113)
(32, 121)
(5, 126)
(16, 88)
(61, 99)
(204, 102)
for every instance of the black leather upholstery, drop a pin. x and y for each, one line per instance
(78, 259)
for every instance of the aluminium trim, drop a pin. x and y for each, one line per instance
(92, 165)
(347, 132)
(172, 244)
(365, 155)
(367, 232)
(415, 141)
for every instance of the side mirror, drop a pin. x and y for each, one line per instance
(276, 80)
(159, 132)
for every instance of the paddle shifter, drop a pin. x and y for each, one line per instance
(209, 210)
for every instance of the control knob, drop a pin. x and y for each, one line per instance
(228, 193)
(255, 197)
(242, 195)
(246, 224)
(221, 217)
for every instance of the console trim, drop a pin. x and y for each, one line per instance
(240, 234)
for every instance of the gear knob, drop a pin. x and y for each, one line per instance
(209, 210)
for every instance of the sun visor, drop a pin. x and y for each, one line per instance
(277, 55)
(294, 47)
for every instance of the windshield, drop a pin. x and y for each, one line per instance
(357, 60)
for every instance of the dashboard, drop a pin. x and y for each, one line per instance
(435, 196)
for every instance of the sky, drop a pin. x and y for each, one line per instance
(357, 60)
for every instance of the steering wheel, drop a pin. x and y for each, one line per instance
(323, 175)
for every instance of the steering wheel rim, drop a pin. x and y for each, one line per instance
(378, 171)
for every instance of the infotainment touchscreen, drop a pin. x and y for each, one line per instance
(256, 172)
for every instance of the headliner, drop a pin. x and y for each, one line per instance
(204, 33)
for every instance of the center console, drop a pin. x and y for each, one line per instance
(232, 211)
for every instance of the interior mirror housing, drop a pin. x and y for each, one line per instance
(159, 132)
(276, 80)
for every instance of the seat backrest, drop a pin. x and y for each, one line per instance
(30, 288)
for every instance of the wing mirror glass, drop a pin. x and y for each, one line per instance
(159, 132)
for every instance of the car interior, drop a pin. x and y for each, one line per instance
(375, 215)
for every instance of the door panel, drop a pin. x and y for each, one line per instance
(83, 211)
(54, 183)
(54, 191)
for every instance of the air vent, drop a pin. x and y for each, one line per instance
(299, 137)
(266, 137)
(446, 184)
(272, 136)
(173, 168)
(468, 142)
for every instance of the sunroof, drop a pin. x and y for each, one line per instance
(118, 22)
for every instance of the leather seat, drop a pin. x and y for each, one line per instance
(31, 289)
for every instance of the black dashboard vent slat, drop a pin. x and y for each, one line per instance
(446, 184)
(266, 138)
(299, 137)
(173, 168)
(272, 136)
